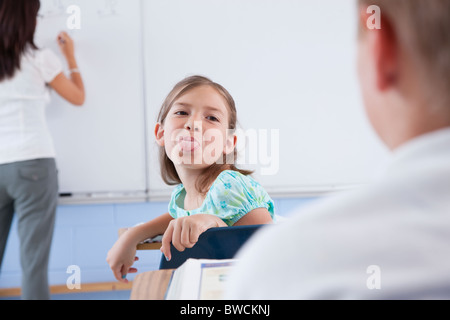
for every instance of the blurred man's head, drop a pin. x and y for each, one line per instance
(404, 67)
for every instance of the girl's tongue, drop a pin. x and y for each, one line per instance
(188, 144)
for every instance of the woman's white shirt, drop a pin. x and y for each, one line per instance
(24, 134)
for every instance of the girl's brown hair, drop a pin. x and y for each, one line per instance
(17, 27)
(168, 172)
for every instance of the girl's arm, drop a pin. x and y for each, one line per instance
(70, 89)
(256, 216)
(148, 229)
(184, 232)
(122, 255)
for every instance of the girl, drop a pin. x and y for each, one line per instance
(28, 174)
(195, 132)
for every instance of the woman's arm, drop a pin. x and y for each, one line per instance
(122, 255)
(70, 89)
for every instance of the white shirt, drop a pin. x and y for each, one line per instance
(389, 241)
(23, 128)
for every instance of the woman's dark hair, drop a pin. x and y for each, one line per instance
(17, 27)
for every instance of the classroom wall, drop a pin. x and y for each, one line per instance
(273, 54)
(84, 234)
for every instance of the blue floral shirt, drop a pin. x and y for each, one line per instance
(231, 196)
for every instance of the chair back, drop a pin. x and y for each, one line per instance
(215, 243)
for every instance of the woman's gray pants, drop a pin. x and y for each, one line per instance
(30, 190)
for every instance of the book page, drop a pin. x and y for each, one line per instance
(212, 281)
(199, 279)
(184, 282)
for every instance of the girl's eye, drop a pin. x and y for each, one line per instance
(212, 118)
(181, 113)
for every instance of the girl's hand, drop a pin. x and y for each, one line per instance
(66, 45)
(184, 232)
(121, 257)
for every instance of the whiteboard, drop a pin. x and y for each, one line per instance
(290, 66)
(101, 146)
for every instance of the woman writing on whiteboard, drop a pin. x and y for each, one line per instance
(28, 174)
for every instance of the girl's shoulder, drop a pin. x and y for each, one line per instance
(230, 178)
(233, 182)
(234, 194)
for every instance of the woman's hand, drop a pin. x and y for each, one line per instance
(121, 257)
(66, 45)
(184, 232)
(72, 88)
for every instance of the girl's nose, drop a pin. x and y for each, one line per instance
(193, 124)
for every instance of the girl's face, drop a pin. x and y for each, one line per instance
(195, 132)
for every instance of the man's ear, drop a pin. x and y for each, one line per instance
(385, 48)
(159, 134)
(230, 144)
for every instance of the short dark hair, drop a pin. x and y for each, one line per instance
(423, 29)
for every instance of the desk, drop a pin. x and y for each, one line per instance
(151, 285)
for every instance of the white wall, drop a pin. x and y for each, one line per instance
(290, 65)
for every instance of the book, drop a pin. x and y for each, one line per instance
(199, 279)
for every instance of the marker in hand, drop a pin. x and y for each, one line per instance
(61, 40)
(65, 43)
